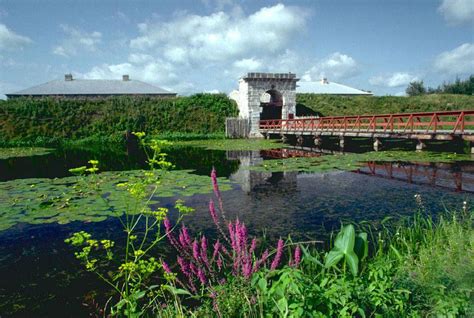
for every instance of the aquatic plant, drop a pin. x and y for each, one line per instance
(64, 200)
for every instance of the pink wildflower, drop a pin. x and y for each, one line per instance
(184, 266)
(279, 252)
(196, 250)
(166, 268)
(215, 186)
(201, 276)
(212, 211)
(204, 251)
(297, 257)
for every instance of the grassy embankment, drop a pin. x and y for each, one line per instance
(340, 105)
(48, 122)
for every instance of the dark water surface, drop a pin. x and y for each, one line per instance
(41, 278)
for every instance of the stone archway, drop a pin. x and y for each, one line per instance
(278, 91)
(271, 103)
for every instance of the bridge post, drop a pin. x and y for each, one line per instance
(318, 141)
(284, 138)
(300, 140)
(377, 144)
(420, 145)
(471, 145)
(341, 142)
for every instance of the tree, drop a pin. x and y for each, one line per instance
(416, 88)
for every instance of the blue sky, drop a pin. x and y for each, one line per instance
(196, 46)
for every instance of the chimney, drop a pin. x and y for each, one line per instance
(125, 78)
(68, 77)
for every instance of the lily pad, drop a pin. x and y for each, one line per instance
(352, 161)
(91, 198)
(6, 153)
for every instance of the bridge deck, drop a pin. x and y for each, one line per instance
(434, 125)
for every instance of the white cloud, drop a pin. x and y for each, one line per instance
(220, 36)
(336, 66)
(248, 65)
(77, 41)
(218, 48)
(393, 80)
(9, 40)
(457, 11)
(457, 61)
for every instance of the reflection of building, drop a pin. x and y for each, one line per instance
(83, 88)
(249, 180)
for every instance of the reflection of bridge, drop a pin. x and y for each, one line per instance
(439, 175)
(443, 175)
(446, 125)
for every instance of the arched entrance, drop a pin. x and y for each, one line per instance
(271, 103)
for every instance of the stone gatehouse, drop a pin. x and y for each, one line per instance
(265, 96)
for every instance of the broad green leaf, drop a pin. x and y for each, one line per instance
(333, 257)
(353, 262)
(361, 246)
(345, 239)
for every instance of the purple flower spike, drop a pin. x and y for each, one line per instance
(204, 251)
(196, 250)
(166, 268)
(185, 235)
(279, 252)
(167, 224)
(215, 186)
(212, 210)
(297, 257)
(253, 245)
(217, 245)
(184, 266)
(202, 277)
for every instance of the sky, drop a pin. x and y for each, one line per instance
(191, 46)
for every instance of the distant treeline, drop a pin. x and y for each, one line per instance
(29, 119)
(463, 87)
(326, 105)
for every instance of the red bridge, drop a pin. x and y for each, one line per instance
(445, 125)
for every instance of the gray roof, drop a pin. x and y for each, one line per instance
(93, 87)
(326, 87)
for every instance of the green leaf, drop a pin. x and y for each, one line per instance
(177, 291)
(353, 262)
(361, 246)
(345, 239)
(333, 257)
(262, 284)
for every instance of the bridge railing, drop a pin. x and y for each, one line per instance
(455, 122)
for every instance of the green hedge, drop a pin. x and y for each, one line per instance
(25, 119)
(341, 105)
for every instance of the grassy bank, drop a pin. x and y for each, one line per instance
(49, 120)
(340, 105)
